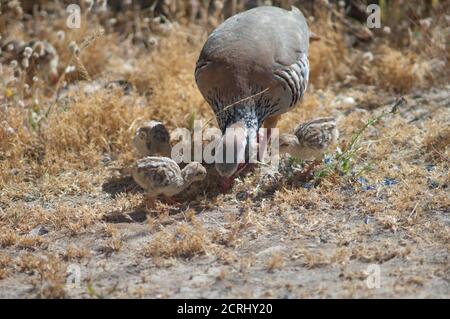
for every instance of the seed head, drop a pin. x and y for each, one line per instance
(27, 52)
(73, 47)
(60, 35)
(39, 48)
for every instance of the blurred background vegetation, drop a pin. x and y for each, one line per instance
(415, 28)
(150, 47)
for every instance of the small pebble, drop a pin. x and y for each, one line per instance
(308, 185)
(425, 23)
(328, 159)
(389, 182)
(368, 187)
(368, 56)
(9, 130)
(348, 100)
(362, 180)
(432, 184)
(241, 196)
(38, 231)
(106, 159)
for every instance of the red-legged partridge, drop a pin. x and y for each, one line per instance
(253, 68)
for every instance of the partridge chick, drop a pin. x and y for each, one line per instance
(163, 176)
(310, 139)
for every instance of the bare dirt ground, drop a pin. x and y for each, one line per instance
(294, 242)
(377, 225)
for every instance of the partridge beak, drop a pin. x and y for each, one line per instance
(227, 183)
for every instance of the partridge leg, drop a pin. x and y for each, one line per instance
(308, 172)
(149, 201)
(169, 200)
(225, 185)
(270, 124)
(263, 140)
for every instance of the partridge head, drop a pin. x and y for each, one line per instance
(152, 139)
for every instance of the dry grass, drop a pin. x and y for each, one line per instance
(437, 144)
(184, 241)
(47, 272)
(319, 259)
(275, 262)
(74, 253)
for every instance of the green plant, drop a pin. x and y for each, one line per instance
(191, 121)
(342, 163)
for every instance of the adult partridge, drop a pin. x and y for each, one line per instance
(252, 68)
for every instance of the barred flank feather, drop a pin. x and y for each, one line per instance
(296, 78)
(318, 133)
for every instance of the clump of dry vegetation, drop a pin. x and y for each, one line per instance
(184, 241)
(70, 100)
(437, 144)
(275, 262)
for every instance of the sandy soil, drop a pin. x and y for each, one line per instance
(247, 245)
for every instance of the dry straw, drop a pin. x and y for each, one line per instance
(75, 59)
